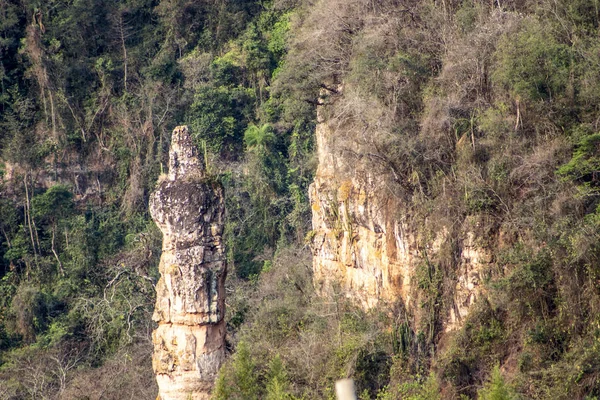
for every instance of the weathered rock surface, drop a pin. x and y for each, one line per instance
(190, 300)
(367, 241)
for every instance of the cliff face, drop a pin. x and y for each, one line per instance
(189, 341)
(368, 242)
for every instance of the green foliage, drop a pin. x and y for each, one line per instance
(530, 283)
(302, 343)
(255, 54)
(276, 36)
(277, 381)
(466, 16)
(217, 116)
(238, 380)
(495, 388)
(29, 308)
(429, 279)
(244, 373)
(419, 389)
(585, 164)
(258, 139)
(55, 203)
(532, 64)
(10, 27)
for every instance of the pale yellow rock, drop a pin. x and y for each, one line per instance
(186, 359)
(366, 240)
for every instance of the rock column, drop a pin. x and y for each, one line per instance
(189, 343)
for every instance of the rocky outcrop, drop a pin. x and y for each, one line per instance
(365, 242)
(358, 240)
(188, 208)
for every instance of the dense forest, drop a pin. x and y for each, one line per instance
(470, 108)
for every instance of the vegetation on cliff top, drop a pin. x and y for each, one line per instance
(473, 111)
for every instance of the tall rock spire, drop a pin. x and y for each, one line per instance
(189, 343)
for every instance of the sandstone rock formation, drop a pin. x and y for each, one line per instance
(367, 242)
(188, 208)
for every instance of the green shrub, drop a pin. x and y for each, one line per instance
(495, 388)
(418, 389)
(278, 382)
(584, 166)
(532, 64)
(238, 379)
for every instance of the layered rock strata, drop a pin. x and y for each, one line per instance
(190, 295)
(367, 245)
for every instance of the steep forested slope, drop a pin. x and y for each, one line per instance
(486, 111)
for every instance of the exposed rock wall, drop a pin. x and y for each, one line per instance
(366, 240)
(190, 300)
